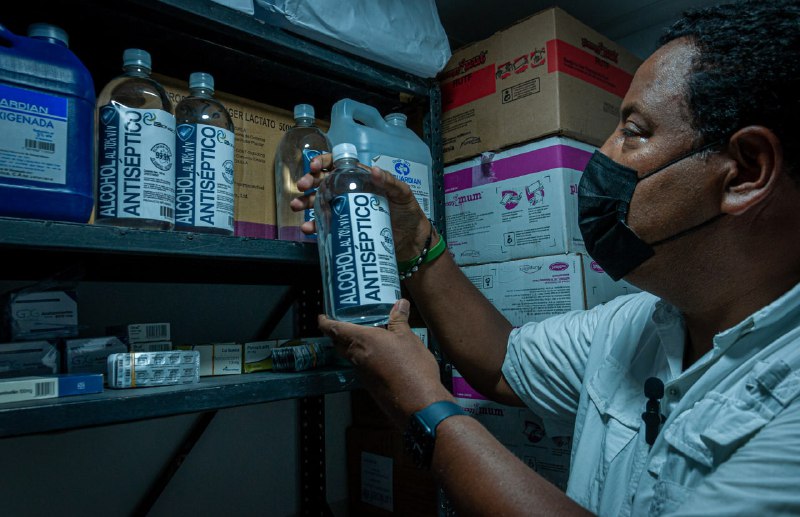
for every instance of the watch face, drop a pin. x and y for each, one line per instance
(419, 443)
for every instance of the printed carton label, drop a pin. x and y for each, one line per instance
(33, 145)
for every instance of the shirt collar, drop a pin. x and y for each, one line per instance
(784, 306)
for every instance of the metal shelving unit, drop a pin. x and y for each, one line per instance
(212, 393)
(252, 60)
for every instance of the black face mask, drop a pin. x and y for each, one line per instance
(604, 197)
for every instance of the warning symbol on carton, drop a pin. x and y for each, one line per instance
(508, 239)
(488, 282)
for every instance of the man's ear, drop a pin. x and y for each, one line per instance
(755, 168)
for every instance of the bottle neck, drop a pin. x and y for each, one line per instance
(304, 121)
(136, 71)
(206, 93)
(347, 163)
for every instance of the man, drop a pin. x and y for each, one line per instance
(694, 199)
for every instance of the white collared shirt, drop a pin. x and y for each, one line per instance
(731, 441)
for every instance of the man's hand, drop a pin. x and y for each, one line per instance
(410, 227)
(393, 364)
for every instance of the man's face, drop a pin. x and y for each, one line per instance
(654, 129)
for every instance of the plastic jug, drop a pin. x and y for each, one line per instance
(389, 145)
(46, 127)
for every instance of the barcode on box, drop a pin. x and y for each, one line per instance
(156, 331)
(168, 212)
(44, 389)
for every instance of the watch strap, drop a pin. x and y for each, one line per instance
(433, 415)
(420, 437)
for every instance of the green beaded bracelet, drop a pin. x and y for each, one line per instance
(428, 254)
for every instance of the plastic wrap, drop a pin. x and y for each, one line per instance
(405, 35)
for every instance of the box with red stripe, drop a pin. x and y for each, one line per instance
(546, 75)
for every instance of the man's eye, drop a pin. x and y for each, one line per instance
(628, 132)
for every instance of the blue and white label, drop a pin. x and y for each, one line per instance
(362, 263)
(204, 177)
(136, 164)
(308, 155)
(415, 175)
(33, 136)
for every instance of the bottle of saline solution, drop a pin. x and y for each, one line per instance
(135, 149)
(356, 248)
(204, 170)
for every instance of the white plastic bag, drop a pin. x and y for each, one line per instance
(405, 35)
(245, 6)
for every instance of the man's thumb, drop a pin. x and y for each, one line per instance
(398, 318)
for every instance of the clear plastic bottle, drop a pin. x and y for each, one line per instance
(204, 169)
(356, 248)
(295, 151)
(135, 180)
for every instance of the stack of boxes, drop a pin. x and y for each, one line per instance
(522, 113)
(31, 365)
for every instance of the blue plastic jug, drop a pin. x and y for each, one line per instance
(46, 127)
(388, 144)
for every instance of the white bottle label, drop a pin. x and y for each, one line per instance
(362, 263)
(204, 177)
(136, 164)
(416, 175)
(33, 136)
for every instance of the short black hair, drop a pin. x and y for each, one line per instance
(746, 70)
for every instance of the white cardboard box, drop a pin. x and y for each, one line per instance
(258, 355)
(536, 288)
(89, 355)
(218, 358)
(28, 358)
(521, 431)
(43, 315)
(519, 203)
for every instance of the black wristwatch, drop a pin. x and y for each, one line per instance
(420, 436)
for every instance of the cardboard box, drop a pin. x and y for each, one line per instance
(258, 130)
(382, 479)
(521, 431)
(258, 355)
(548, 74)
(141, 332)
(28, 358)
(536, 288)
(151, 346)
(43, 315)
(218, 358)
(522, 202)
(89, 355)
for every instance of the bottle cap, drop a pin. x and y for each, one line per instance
(396, 119)
(136, 57)
(47, 31)
(201, 80)
(304, 111)
(344, 151)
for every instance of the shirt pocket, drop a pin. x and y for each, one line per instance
(708, 434)
(720, 423)
(619, 409)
